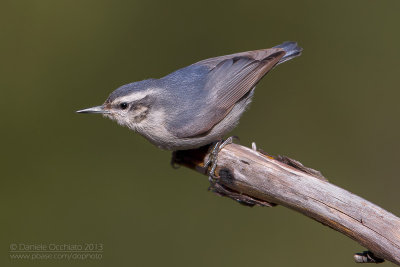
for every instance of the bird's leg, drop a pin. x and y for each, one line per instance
(213, 157)
(212, 160)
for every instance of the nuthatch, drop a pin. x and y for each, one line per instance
(196, 105)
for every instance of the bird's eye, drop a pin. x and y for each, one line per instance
(123, 105)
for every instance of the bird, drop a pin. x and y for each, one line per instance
(196, 105)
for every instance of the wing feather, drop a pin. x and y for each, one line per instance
(230, 78)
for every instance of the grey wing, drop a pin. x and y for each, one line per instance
(229, 79)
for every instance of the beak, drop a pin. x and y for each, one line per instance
(98, 109)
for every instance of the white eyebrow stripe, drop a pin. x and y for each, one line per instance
(134, 96)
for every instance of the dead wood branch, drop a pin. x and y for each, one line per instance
(253, 178)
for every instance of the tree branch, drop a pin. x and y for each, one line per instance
(253, 178)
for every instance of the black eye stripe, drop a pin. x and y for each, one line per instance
(134, 105)
(137, 106)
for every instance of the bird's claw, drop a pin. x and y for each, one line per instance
(212, 158)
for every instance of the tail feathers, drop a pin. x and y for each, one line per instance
(292, 50)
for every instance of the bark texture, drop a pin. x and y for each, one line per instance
(253, 178)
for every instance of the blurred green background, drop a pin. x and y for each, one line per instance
(71, 179)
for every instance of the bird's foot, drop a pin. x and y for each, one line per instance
(212, 158)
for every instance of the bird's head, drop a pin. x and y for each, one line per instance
(129, 105)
